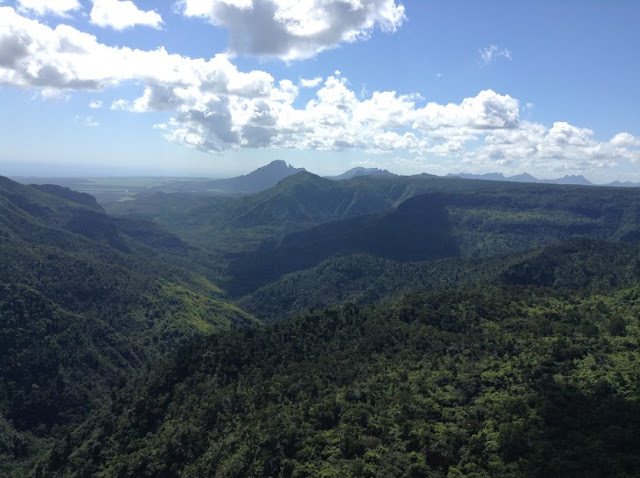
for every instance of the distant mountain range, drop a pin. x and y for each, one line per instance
(268, 176)
(262, 178)
(258, 180)
(360, 171)
(528, 178)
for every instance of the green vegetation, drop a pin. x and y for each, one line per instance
(419, 326)
(581, 264)
(481, 382)
(306, 219)
(85, 300)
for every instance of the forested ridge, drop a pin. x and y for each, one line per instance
(417, 326)
(479, 382)
(85, 300)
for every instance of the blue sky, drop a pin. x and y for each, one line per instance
(220, 87)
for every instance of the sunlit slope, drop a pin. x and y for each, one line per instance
(84, 300)
(485, 382)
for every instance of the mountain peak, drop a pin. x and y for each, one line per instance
(361, 171)
(277, 163)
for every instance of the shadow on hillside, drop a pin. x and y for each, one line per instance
(417, 230)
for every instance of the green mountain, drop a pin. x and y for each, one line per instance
(85, 299)
(577, 265)
(298, 202)
(422, 326)
(417, 230)
(475, 223)
(305, 220)
(484, 382)
(477, 209)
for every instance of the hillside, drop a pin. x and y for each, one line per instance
(467, 317)
(477, 223)
(417, 230)
(475, 207)
(297, 202)
(484, 382)
(305, 219)
(86, 299)
(577, 265)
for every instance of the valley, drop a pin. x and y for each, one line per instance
(379, 325)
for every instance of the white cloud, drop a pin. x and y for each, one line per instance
(215, 107)
(488, 110)
(295, 29)
(33, 55)
(96, 104)
(492, 53)
(44, 7)
(562, 147)
(310, 83)
(625, 140)
(121, 15)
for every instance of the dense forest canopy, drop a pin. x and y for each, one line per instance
(376, 326)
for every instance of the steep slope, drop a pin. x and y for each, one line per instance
(85, 299)
(488, 382)
(485, 222)
(363, 279)
(236, 224)
(416, 230)
(580, 264)
(298, 202)
(262, 178)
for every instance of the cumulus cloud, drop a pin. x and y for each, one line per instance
(491, 53)
(44, 7)
(488, 110)
(295, 29)
(310, 83)
(33, 55)
(562, 147)
(96, 104)
(215, 107)
(625, 140)
(121, 15)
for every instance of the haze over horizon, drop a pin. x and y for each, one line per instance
(108, 87)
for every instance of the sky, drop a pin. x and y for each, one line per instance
(216, 88)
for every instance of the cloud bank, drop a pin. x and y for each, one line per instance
(215, 107)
